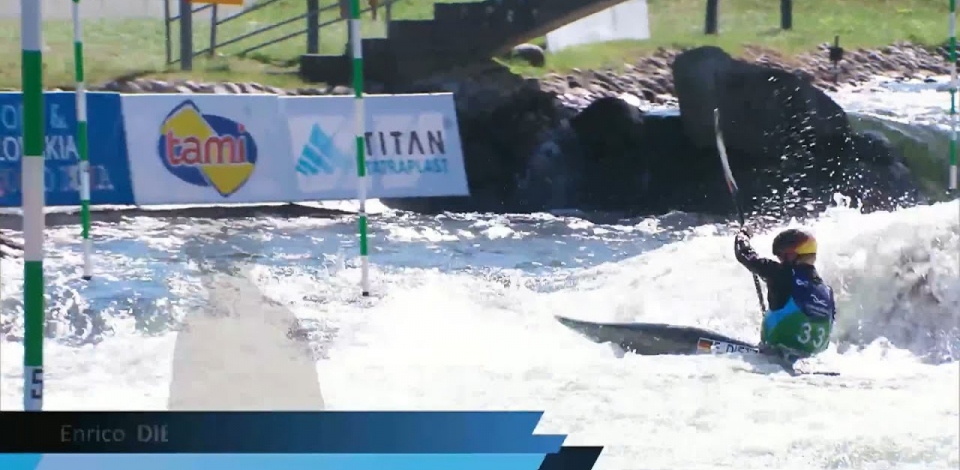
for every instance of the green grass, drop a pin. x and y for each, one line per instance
(680, 23)
(123, 47)
(136, 46)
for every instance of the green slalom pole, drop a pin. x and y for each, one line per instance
(953, 94)
(31, 70)
(356, 45)
(84, 167)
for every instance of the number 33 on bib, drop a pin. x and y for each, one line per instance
(798, 332)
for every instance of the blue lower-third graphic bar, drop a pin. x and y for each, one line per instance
(277, 432)
(582, 458)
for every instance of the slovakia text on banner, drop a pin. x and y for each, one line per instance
(107, 151)
(207, 149)
(412, 145)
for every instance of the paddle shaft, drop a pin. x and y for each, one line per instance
(756, 279)
(735, 195)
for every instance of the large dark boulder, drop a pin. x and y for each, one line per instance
(608, 129)
(865, 168)
(633, 161)
(680, 176)
(764, 112)
(790, 146)
(695, 75)
(613, 170)
(498, 139)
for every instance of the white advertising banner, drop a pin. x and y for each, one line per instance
(207, 149)
(412, 145)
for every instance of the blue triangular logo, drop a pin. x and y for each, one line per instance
(319, 155)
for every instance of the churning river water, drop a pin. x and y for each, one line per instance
(461, 318)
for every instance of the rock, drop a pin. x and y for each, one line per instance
(586, 138)
(503, 119)
(232, 88)
(613, 167)
(530, 53)
(676, 173)
(766, 113)
(695, 74)
(157, 86)
(607, 128)
(878, 179)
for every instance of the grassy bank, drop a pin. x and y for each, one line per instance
(118, 47)
(680, 23)
(124, 46)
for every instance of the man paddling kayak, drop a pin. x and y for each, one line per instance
(802, 308)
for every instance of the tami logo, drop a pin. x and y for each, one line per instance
(206, 150)
(320, 155)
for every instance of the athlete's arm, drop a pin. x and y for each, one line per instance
(763, 267)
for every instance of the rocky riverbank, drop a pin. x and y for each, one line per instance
(580, 139)
(651, 80)
(648, 78)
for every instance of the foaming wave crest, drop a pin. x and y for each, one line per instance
(131, 293)
(75, 318)
(896, 276)
(898, 279)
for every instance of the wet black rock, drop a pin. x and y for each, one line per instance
(589, 139)
(764, 112)
(790, 145)
(530, 53)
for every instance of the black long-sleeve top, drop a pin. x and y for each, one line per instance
(778, 276)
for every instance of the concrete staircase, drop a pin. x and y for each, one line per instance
(459, 35)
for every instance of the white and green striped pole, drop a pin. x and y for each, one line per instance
(31, 70)
(84, 167)
(953, 94)
(356, 46)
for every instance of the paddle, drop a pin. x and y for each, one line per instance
(734, 193)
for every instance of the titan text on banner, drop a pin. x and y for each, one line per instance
(208, 149)
(412, 144)
(109, 171)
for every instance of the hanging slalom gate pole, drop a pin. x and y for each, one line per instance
(84, 167)
(953, 94)
(31, 71)
(356, 46)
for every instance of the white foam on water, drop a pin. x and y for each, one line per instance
(462, 319)
(475, 344)
(468, 340)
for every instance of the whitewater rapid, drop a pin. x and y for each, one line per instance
(462, 318)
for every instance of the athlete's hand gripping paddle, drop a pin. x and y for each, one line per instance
(734, 192)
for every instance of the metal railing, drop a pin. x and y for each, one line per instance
(311, 29)
(710, 22)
